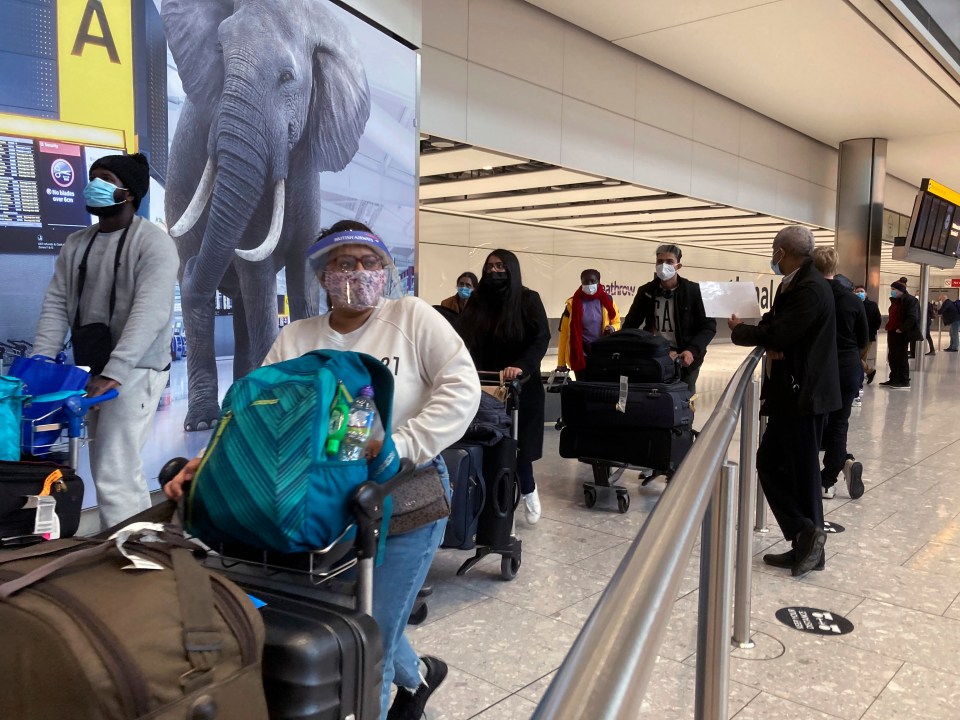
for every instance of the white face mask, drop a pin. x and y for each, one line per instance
(665, 272)
(590, 289)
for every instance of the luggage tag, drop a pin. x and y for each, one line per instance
(136, 561)
(46, 521)
(624, 392)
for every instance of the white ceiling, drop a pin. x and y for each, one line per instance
(832, 69)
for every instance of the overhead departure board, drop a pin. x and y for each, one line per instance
(19, 196)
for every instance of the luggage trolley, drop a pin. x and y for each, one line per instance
(496, 530)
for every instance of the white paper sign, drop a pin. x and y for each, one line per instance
(723, 299)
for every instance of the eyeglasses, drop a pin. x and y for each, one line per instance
(495, 267)
(347, 263)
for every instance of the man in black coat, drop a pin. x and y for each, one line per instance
(671, 306)
(903, 328)
(874, 321)
(950, 316)
(801, 387)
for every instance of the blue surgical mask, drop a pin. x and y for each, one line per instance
(894, 294)
(590, 288)
(464, 292)
(775, 266)
(862, 295)
(100, 193)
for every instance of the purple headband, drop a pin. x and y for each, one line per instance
(347, 237)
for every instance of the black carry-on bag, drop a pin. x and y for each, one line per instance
(638, 355)
(620, 425)
(469, 494)
(495, 525)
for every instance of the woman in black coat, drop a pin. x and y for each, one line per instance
(505, 328)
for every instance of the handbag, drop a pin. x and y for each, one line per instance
(93, 342)
(500, 391)
(419, 501)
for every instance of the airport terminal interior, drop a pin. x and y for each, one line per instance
(585, 135)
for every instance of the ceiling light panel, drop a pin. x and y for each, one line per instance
(585, 194)
(503, 183)
(646, 218)
(463, 159)
(605, 208)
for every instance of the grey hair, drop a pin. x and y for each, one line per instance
(672, 249)
(796, 240)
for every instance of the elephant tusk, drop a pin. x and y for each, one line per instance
(276, 225)
(198, 202)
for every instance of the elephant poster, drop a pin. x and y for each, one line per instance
(293, 115)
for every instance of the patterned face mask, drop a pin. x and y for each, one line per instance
(355, 289)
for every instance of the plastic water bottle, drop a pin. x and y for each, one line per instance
(359, 424)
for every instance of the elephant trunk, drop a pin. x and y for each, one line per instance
(240, 179)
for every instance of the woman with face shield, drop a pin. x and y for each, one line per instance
(435, 398)
(505, 328)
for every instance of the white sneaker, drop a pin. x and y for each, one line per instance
(857, 401)
(531, 502)
(829, 492)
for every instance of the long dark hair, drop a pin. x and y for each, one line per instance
(493, 312)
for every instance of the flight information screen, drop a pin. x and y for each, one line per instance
(41, 192)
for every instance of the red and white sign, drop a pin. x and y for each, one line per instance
(955, 282)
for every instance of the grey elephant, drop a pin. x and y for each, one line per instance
(275, 94)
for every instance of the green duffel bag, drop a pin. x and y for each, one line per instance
(87, 636)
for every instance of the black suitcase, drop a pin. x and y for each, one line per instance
(321, 661)
(594, 405)
(661, 449)
(495, 527)
(464, 463)
(639, 355)
(19, 479)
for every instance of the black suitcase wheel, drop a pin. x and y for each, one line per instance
(418, 615)
(590, 496)
(509, 566)
(623, 503)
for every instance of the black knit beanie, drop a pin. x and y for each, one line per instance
(132, 170)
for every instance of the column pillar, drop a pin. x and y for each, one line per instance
(861, 176)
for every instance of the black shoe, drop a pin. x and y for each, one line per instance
(853, 474)
(888, 383)
(871, 375)
(808, 549)
(930, 353)
(788, 559)
(950, 350)
(900, 386)
(410, 705)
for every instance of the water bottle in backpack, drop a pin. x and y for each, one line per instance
(360, 420)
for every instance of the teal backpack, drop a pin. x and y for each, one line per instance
(266, 480)
(12, 398)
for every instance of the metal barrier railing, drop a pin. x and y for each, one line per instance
(605, 674)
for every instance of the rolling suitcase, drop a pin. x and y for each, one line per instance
(21, 479)
(464, 463)
(321, 661)
(660, 449)
(637, 354)
(648, 405)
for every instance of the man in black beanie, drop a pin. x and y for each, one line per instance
(112, 290)
(903, 327)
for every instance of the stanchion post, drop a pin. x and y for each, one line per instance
(749, 438)
(716, 584)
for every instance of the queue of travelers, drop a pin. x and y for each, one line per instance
(818, 337)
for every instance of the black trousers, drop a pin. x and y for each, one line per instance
(788, 463)
(834, 439)
(897, 347)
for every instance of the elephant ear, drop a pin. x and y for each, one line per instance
(191, 30)
(340, 105)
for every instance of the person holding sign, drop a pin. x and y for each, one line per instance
(671, 306)
(800, 388)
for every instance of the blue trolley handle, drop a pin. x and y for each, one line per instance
(77, 406)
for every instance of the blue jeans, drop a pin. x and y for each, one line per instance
(955, 335)
(396, 582)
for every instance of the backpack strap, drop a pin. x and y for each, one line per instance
(201, 639)
(37, 574)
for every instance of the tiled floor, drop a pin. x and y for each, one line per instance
(894, 572)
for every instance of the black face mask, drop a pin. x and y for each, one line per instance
(497, 280)
(105, 212)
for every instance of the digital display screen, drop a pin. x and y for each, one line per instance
(41, 192)
(933, 225)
